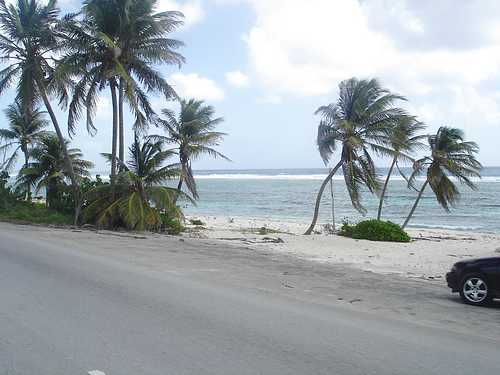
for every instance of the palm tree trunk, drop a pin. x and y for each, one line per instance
(333, 204)
(415, 204)
(179, 187)
(112, 87)
(121, 143)
(67, 160)
(382, 195)
(318, 198)
(28, 185)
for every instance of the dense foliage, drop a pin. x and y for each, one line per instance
(137, 200)
(14, 208)
(375, 230)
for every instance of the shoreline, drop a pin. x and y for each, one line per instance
(429, 255)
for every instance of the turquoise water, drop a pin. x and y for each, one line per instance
(290, 193)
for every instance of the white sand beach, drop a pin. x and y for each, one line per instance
(428, 256)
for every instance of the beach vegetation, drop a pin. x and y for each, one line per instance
(451, 160)
(137, 200)
(25, 130)
(47, 170)
(114, 46)
(404, 140)
(375, 230)
(357, 125)
(196, 222)
(32, 34)
(14, 208)
(192, 131)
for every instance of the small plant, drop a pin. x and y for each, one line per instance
(170, 225)
(375, 230)
(197, 222)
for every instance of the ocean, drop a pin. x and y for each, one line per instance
(289, 194)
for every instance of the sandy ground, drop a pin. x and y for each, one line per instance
(429, 255)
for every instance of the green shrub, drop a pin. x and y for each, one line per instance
(375, 230)
(170, 225)
(196, 222)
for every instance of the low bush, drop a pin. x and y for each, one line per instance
(196, 222)
(170, 225)
(375, 230)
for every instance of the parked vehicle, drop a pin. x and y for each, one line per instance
(477, 280)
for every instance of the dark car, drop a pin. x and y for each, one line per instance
(477, 280)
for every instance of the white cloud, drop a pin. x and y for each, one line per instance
(192, 9)
(195, 86)
(237, 79)
(338, 39)
(444, 58)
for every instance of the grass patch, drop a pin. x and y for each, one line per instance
(34, 213)
(375, 230)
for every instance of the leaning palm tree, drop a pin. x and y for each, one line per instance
(192, 131)
(404, 140)
(25, 131)
(30, 37)
(451, 157)
(357, 124)
(48, 168)
(138, 199)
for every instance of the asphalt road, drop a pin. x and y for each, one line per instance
(66, 311)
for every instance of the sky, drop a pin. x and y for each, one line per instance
(267, 65)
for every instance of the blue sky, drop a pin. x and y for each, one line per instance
(266, 65)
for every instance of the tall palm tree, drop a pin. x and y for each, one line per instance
(404, 140)
(140, 198)
(115, 45)
(48, 168)
(30, 38)
(25, 131)
(357, 124)
(144, 42)
(451, 157)
(192, 131)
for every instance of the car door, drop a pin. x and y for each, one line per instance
(492, 271)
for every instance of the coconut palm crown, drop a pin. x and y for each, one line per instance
(192, 131)
(22, 134)
(451, 158)
(47, 168)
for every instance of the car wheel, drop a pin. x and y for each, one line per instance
(474, 290)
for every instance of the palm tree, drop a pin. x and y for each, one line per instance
(404, 140)
(144, 43)
(357, 124)
(451, 157)
(139, 197)
(25, 130)
(115, 46)
(48, 168)
(192, 133)
(30, 38)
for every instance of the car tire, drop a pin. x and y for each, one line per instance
(474, 290)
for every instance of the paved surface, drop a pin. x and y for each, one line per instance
(68, 306)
